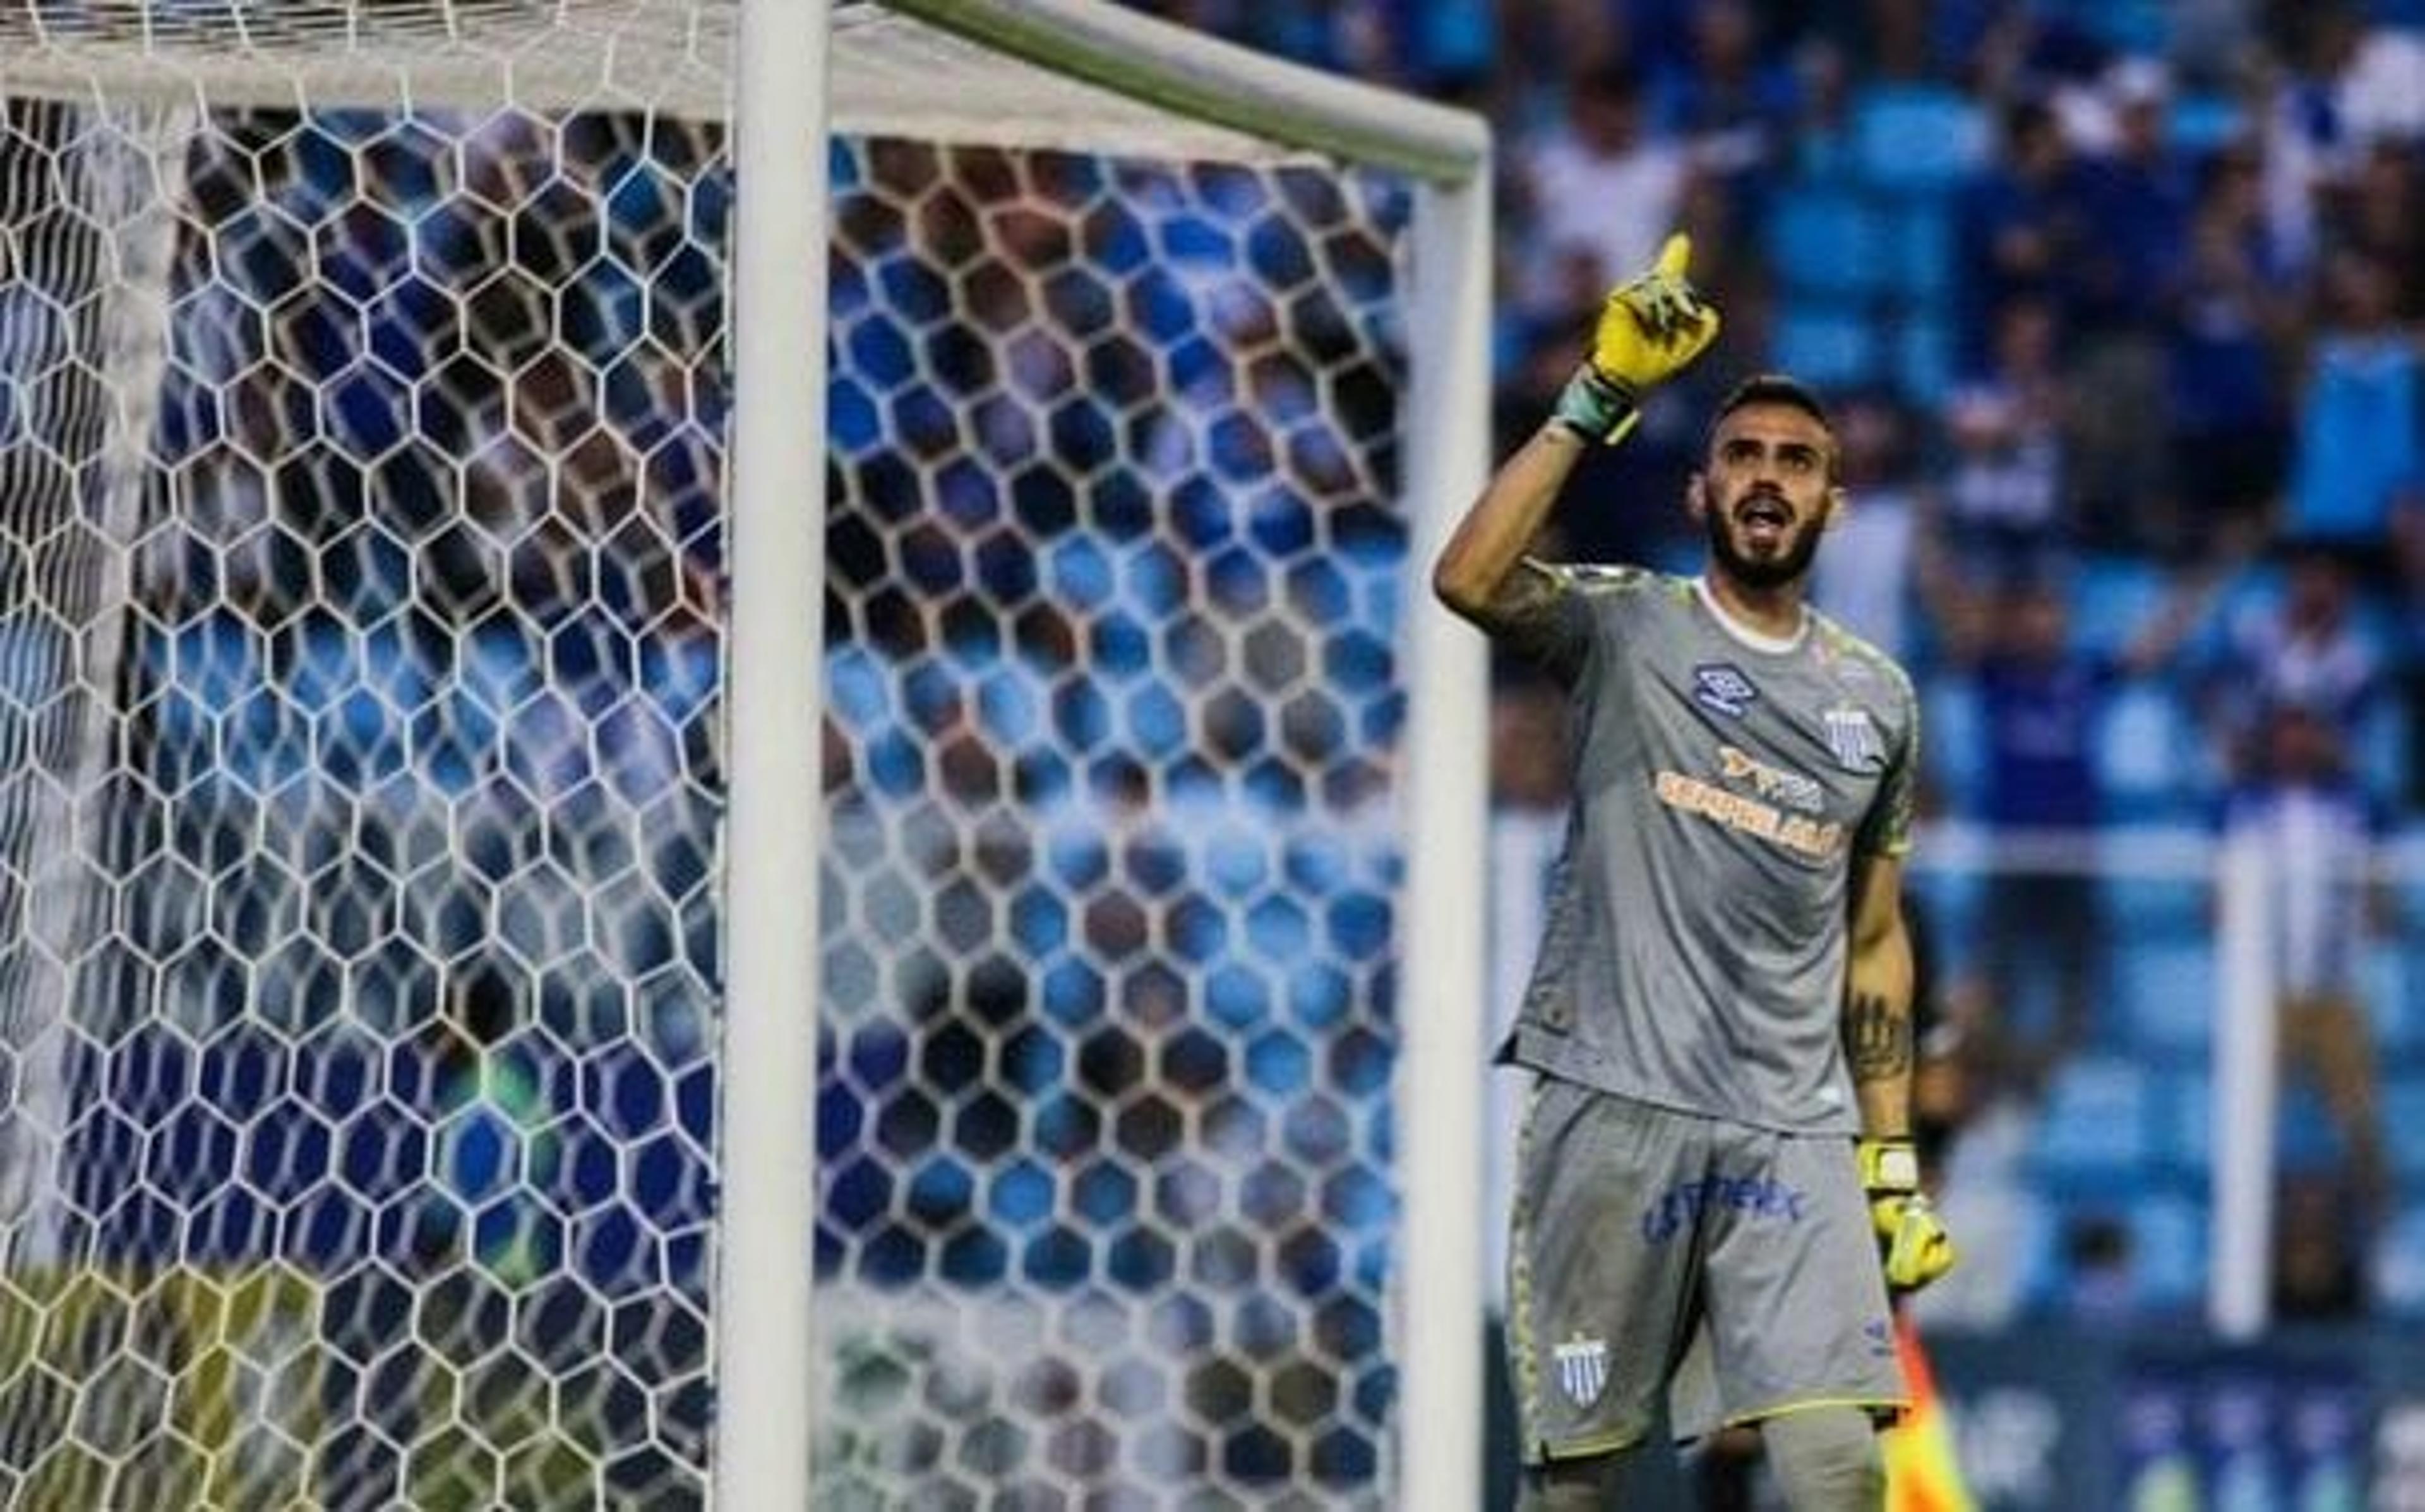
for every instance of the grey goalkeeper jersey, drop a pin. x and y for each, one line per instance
(1694, 948)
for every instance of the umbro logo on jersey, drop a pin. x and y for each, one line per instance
(1583, 1368)
(1722, 689)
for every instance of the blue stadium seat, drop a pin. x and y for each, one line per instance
(2168, 910)
(2385, 746)
(2182, 1111)
(2147, 756)
(2201, 123)
(1952, 898)
(2096, 1125)
(1916, 138)
(1827, 240)
(2170, 1242)
(1925, 359)
(2168, 988)
(2111, 597)
(2400, 1270)
(1830, 346)
(2253, 592)
(2056, 1279)
(1921, 231)
(2404, 1108)
(2392, 1000)
(2136, 26)
(1953, 741)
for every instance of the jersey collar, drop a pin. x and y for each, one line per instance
(1757, 640)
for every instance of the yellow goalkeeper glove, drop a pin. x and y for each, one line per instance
(1916, 1248)
(1649, 329)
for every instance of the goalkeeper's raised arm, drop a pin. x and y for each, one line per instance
(1649, 329)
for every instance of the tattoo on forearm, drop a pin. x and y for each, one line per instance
(1877, 1037)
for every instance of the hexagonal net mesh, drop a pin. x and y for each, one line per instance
(359, 518)
(360, 644)
(1109, 895)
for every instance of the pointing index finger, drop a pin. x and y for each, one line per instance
(1675, 255)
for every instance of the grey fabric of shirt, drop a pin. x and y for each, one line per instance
(1695, 942)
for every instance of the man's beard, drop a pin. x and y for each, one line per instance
(1763, 573)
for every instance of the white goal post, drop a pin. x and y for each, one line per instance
(412, 419)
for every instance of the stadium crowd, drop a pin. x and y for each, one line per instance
(2123, 308)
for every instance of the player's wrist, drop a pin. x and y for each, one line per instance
(1595, 406)
(1889, 1163)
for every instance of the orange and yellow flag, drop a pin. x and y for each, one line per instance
(1921, 1473)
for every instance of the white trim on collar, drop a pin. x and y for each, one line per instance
(1757, 640)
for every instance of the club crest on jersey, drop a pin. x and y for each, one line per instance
(1852, 735)
(1722, 689)
(1583, 1368)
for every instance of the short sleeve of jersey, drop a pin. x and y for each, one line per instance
(1558, 630)
(1886, 830)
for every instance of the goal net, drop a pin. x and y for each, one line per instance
(365, 383)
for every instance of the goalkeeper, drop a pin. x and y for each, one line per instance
(1716, 1150)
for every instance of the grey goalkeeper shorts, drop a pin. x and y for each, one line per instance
(1732, 1267)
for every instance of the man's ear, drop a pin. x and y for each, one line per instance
(1838, 502)
(1697, 495)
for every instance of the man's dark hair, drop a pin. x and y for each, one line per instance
(1771, 389)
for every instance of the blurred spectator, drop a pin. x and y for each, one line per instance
(2024, 227)
(2304, 651)
(1818, 144)
(2042, 928)
(1867, 579)
(2003, 484)
(1734, 99)
(1560, 42)
(2230, 320)
(2361, 426)
(2379, 213)
(2317, 829)
(2341, 86)
(1601, 189)
(2319, 1250)
(2212, 39)
(2116, 459)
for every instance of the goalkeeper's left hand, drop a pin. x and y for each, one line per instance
(1650, 328)
(1916, 1248)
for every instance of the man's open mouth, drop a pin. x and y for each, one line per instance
(1764, 519)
